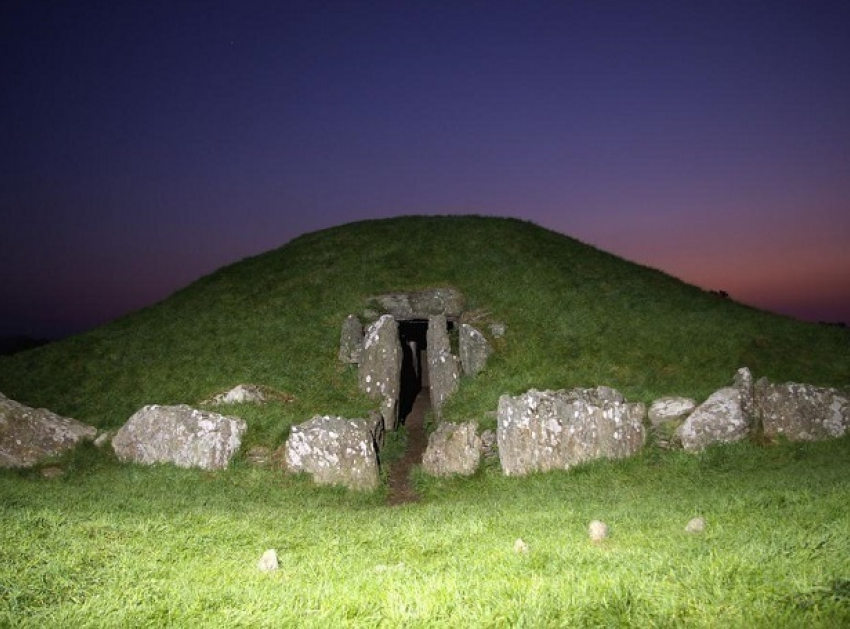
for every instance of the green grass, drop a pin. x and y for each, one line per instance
(125, 546)
(110, 545)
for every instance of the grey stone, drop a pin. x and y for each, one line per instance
(668, 409)
(268, 562)
(103, 439)
(666, 415)
(453, 449)
(744, 384)
(598, 531)
(248, 394)
(240, 394)
(549, 430)
(801, 412)
(720, 419)
(422, 304)
(380, 367)
(351, 340)
(29, 436)
(443, 366)
(695, 526)
(377, 426)
(334, 451)
(474, 350)
(182, 435)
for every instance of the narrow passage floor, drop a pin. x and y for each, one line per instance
(401, 489)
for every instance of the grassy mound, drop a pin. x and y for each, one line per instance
(576, 316)
(117, 545)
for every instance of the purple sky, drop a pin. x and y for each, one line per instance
(144, 144)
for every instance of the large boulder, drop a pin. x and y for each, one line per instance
(422, 304)
(453, 449)
(443, 366)
(801, 412)
(548, 430)
(474, 350)
(28, 435)
(666, 415)
(720, 419)
(380, 367)
(182, 435)
(334, 451)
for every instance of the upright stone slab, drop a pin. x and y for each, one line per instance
(453, 449)
(443, 366)
(29, 435)
(380, 367)
(720, 419)
(474, 350)
(351, 340)
(801, 412)
(555, 430)
(744, 384)
(184, 436)
(334, 451)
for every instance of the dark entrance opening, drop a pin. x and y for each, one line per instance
(413, 335)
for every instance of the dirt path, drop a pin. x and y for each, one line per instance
(401, 490)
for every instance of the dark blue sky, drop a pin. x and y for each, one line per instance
(145, 144)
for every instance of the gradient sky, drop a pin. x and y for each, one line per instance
(145, 144)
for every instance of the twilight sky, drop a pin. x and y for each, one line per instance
(144, 144)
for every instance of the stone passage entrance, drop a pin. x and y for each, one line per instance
(413, 335)
(406, 348)
(406, 361)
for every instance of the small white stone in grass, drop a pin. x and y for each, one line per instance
(597, 530)
(696, 525)
(520, 547)
(268, 562)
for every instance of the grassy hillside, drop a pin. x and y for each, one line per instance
(576, 316)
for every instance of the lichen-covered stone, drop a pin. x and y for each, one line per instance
(720, 419)
(422, 304)
(801, 412)
(666, 415)
(29, 435)
(453, 449)
(549, 430)
(182, 435)
(334, 451)
(744, 384)
(380, 367)
(248, 394)
(474, 350)
(668, 409)
(443, 366)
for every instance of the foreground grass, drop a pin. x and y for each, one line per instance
(126, 546)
